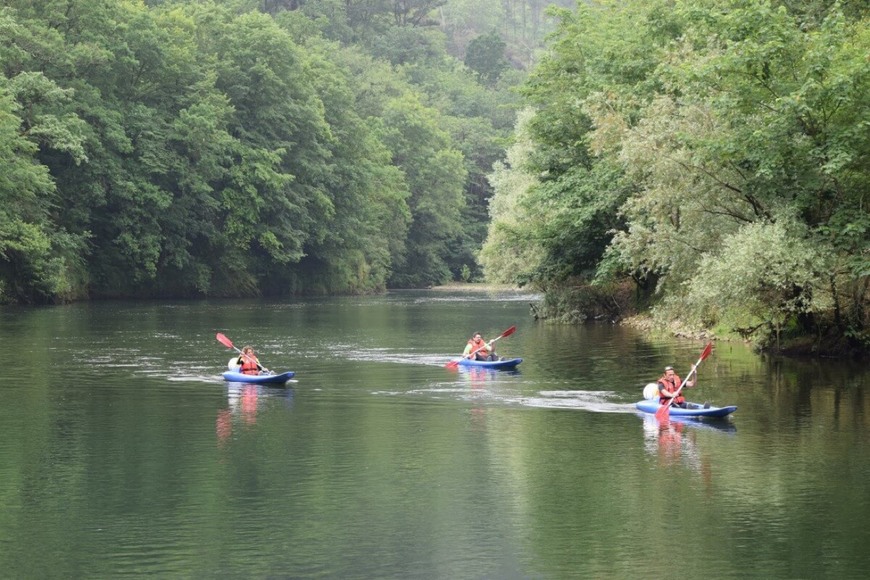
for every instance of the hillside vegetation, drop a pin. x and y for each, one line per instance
(241, 147)
(707, 161)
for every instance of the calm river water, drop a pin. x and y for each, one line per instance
(124, 453)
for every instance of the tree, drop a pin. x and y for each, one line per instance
(30, 268)
(721, 128)
(485, 56)
(436, 175)
(512, 249)
(40, 260)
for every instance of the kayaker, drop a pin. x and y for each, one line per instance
(248, 363)
(669, 384)
(479, 349)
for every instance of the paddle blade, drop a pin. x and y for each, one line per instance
(663, 413)
(224, 340)
(707, 350)
(452, 364)
(508, 332)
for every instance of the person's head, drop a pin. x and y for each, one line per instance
(477, 337)
(248, 350)
(669, 371)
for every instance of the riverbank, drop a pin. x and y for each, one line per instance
(578, 306)
(801, 346)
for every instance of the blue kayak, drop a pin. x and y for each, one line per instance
(694, 409)
(235, 377)
(491, 364)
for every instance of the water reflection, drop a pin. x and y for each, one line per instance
(481, 381)
(243, 403)
(396, 468)
(242, 400)
(477, 376)
(722, 425)
(674, 442)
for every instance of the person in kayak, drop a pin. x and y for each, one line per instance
(669, 384)
(248, 363)
(479, 349)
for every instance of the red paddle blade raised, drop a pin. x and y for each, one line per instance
(707, 350)
(224, 340)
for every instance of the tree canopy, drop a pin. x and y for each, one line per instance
(238, 147)
(715, 152)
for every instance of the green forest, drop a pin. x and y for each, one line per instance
(705, 162)
(185, 148)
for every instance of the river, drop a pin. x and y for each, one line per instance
(124, 453)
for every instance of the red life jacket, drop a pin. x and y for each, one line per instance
(671, 385)
(250, 366)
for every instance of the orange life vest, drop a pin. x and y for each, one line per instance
(250, 366)
(671, 385)
(480, 344)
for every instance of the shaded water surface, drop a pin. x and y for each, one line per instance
(124, 453)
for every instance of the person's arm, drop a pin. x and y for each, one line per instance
(467, 350)
(693, 376)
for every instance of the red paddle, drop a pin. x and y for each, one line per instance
(454, 363)
(222, 338)
(664, 411)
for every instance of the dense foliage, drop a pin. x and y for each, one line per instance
(713, 155)
(241, 147)
(717, 152)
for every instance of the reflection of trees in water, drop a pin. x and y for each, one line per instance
(797, 391)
